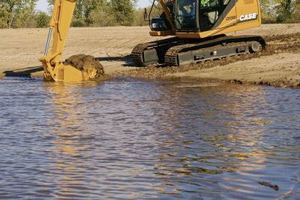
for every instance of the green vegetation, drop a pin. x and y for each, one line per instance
(21, 13)
(297, 11)
(280, 11)
(103, 13)
(17, 13)
(42, 19)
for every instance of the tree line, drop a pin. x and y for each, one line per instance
(22, 13)
(280, 11)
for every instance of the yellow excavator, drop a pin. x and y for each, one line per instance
(195, 31)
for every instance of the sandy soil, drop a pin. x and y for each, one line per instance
(22, 48)
(281, 70)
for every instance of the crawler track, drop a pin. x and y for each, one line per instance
(152, 52)
(289, 43)
(175, 52)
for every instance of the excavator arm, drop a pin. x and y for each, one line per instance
(59, 27)
(54, 68)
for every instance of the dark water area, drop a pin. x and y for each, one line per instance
(134, 139)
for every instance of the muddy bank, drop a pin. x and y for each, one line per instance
(277, 65)
(280, 70)
(22, 48)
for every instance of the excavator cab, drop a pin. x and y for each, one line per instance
(204, 18)
(193, 15)
(185, 15)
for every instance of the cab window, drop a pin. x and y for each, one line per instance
(210, 12)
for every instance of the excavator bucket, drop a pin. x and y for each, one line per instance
(86, 65)
(72, 74)
(77, 68)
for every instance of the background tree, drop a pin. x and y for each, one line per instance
(4, 16)
(123, 11)
(92, 13)
(17, 13)
(286, 9)
(42, 20)
(275, 11)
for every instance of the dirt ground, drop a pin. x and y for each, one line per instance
(279, 65)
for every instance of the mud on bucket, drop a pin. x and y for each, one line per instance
(87, 64)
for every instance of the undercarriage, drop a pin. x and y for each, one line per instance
(175, 51)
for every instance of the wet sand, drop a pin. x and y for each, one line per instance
(278, 65)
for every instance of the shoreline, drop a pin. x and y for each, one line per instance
(278, 65)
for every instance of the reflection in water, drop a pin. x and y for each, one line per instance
(131, 139)
(68, 125)
(202, 151)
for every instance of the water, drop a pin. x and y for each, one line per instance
(133, 139)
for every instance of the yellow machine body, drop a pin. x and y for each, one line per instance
(242, 15)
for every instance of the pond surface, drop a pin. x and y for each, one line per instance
(135, 139)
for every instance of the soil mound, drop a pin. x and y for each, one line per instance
(88, 64)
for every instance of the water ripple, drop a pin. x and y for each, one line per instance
(132, 139)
